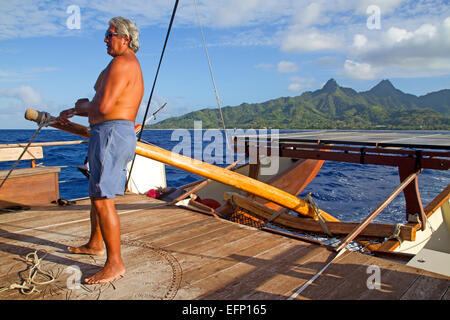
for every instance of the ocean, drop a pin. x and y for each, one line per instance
(347, 191)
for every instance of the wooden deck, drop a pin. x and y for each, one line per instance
(172, 253)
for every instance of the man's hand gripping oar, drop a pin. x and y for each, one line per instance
(79, 109)
(68, 126)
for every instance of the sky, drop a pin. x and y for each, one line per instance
(51, 52)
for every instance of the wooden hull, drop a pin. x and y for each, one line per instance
(436, 236)
(432, 249)
(293, 177)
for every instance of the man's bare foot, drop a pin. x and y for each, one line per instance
(86, 249)
(109, 273)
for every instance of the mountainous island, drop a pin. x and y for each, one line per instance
(331, 107)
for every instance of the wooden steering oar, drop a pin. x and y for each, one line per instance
(201, 168)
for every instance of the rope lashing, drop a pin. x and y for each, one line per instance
(28, 285)
(277, 214)
(316, 209)
(396, 233)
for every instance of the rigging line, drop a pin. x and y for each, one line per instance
(308, 283)
(23, 152)
(159, 66)
(211, 73)
(153, 87)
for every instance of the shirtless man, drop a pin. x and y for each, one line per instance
(112, 143)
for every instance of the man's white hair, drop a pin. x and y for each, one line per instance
(127, 28)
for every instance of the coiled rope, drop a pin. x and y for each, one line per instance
(28, 286)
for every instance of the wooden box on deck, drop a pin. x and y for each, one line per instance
(30, 186)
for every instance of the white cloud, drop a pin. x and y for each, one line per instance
(328, 62)
(294, 26)
(447, 24)
(311, 15)
(24, 74)
(298, 84)
(236, 12)
(425, 33)
(30, 18)
(396, 35)
(420, 51)
(216, 14)
(286, 67)
(356, 70)
(359, 41)
(253, 37)
(386, 6)
(25, 94)
(7, 74)
(310, 40)
(295, 87)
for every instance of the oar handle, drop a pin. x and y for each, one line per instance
(34, 115)
(41, 117)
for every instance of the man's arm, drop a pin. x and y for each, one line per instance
(82, 106)
(99, 81)
(80, 109)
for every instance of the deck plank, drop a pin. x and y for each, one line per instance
(427, 287)
(446, 295)
(282, 278)
(220, 284)
(230, 252)
(333, 277)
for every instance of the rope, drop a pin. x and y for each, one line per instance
(153, 87)
(211, 73)
(43, 122)
(159, 66)
(308, 283)
(28, 285)
(396, 233)
(424, 240)
(322, 220)
(277, 214)
(73, 180)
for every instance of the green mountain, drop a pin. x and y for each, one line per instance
(332, 106)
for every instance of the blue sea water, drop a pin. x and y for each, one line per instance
(347, 191)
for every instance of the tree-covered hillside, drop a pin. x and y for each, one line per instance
(333, 106)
